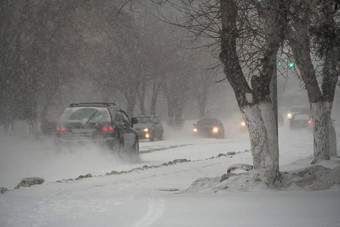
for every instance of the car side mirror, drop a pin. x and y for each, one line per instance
(134, 120)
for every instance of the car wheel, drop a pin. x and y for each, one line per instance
(130, 154)
(134, 154)
(116, 147)
(221, 135)
(152, 138)
(57, 146)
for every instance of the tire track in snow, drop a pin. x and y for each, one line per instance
(155, 210)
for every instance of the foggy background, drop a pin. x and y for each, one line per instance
(54, 53)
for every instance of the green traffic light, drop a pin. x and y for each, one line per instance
(279, 63)
(291, 64)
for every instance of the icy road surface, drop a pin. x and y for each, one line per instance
(155, 196)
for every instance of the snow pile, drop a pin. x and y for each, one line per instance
(240, 177)
(312, 178)
(3, 190)
(236, 182)
(29, 181)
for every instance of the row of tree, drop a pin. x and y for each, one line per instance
(52, 51)
(249, 36)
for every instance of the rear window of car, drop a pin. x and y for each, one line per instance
(301, 117)
(145, 119)
(300, 109)
(85, 114)
(207, 121)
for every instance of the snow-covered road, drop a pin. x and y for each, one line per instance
(154, 192)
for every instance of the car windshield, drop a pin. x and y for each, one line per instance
(144, 120)
(302, 117)
(300, 109)
(207, 121)
(85, 114)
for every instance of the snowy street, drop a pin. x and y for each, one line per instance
(168, 113)
(155, 191)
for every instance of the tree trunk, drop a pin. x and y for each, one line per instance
(320, 100)
(202, 98)
(330, 80)
(155, 89)
(131, 102)
(254, 103)
(202, 102)
(322, 123)
(141, 98)
(332, 140)
(263, 138)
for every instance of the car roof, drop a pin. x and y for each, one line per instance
(96, 104)
(208, 119)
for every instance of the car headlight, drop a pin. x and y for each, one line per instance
(147, 135)
(243, 123)
(195, 130)
(146, 130)
(215, 130)
(289, 115)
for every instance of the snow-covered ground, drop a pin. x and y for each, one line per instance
(154, 191)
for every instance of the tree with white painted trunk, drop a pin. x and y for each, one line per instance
(254, 100)
(314, 31)
(246, 35)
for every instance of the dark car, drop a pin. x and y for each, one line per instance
(149, 127)
(297, 110)
(100, 123)
(209, 127)
(301, 120)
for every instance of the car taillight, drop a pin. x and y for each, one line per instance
(61, 129)
(107, 128)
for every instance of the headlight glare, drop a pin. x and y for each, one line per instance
(215, 130)
(289, 115)
(243, 124)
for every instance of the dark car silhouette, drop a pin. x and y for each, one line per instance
(100, 123)
(209, 127)
(149, 127)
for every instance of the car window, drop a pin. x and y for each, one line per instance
(118, 117)
(155, 120)
(303, 117)
(145, 119)
(207, 121)
(125, 117)
(112, 112)
(85, 114)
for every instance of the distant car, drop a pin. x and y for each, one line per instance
(100, 123)
(296, 110)
(301, 120)
(149, 127)
(209, 127)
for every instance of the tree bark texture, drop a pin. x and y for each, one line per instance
(320, 100)
(155, 90)
(254, 103)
